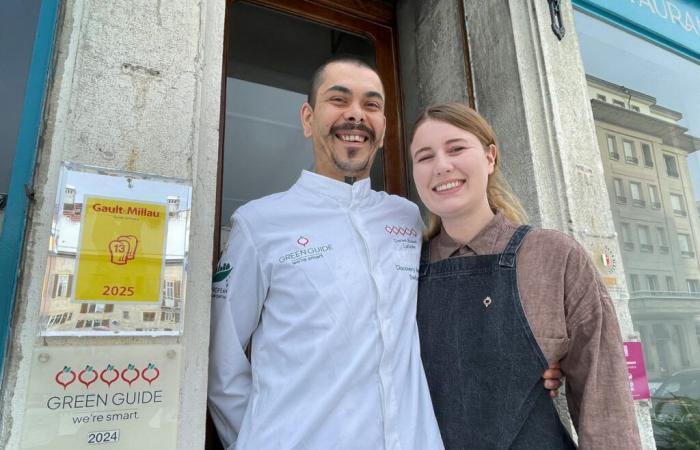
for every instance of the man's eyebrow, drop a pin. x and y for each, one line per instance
(338, 88)
(374, 94)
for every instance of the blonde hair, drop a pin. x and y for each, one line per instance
(498, 192)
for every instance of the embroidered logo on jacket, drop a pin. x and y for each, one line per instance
(400, 231)
(306, 253)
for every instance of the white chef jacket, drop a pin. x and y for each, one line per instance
(321, 280)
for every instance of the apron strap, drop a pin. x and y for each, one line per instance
(507, 258)
(425, 257)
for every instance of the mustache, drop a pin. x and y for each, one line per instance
(349, 126)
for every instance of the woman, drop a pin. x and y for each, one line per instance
(498, 301)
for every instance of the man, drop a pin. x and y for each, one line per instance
(321, 282)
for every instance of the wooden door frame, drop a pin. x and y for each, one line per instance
(374, 20)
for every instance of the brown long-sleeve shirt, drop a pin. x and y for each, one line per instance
(574, 323)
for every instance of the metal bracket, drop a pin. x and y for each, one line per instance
(29, 192)
(557, 22)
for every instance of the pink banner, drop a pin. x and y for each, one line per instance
(636, 371)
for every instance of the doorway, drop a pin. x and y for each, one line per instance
(271, 49)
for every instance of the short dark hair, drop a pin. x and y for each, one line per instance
(316, 78)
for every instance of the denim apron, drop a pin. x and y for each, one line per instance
(483, 365)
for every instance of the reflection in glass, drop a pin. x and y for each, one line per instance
(645, 99)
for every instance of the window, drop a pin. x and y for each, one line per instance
(79, 324)
(670, 284)
(125, 314)
(685, 245)
(630, 152)
(87, 308)
(109, 307)
(693, 285)
(646, 154)
(619, 103)
(654, 197)
(149, 316)
(678, 205)
(619, 190)
(644, 239)
(653, 282)
(636, 194)
(627, 243)
(634, 108)
(663, 240)
(62, 284)
(634, 282)
(601, 97)
(671, 167)
(612, 148)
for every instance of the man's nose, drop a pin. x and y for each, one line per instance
(354, 113)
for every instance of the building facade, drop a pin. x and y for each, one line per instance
(209, 92)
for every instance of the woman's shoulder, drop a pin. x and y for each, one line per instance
(552, 244)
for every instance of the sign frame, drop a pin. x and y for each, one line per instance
(61, 314)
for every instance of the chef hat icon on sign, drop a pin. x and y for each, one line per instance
(123, 249)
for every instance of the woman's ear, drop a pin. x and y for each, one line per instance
(491, 157)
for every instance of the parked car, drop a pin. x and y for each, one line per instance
(676, 411)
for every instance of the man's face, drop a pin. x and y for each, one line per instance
(347, 123)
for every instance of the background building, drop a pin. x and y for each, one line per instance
(644, 153)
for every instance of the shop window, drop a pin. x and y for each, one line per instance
(685, 245)
(630, 152)
(678, 205)
(647, 155)
(671, 167)
(636, 194)
(612, 148)
(644, 239)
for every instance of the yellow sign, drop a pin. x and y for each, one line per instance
(121, 251)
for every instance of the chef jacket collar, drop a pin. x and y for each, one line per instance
(342, 192)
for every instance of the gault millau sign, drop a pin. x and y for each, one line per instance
(82, 396)
(121, 251)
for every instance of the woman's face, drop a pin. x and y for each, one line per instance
(451, 169)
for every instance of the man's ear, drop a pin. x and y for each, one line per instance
(306, 114)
